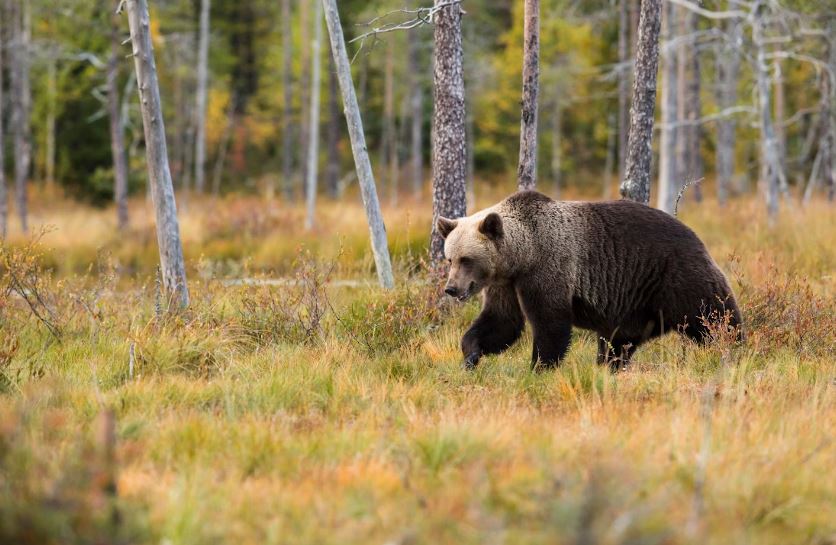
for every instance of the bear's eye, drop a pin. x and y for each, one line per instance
(465, 261)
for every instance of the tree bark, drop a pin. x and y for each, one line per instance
(172, 264)
(527, 169)
(823, 168)
(728, 67)
(312, 170)
(623, 84)
(636, 183)
(21, 106)
(368, 191)
(417, 115)
(287, 106)
(332, 171)
(449, 150)
(304, 88)
(771, 171)
(669, 150)
(200, 98)
(4, 211)
(695, 169)
(117, 139)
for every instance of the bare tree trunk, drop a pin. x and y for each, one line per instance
(21, 106)
(172, 264)
(823, 164)
(388, 146)
(608, 165)
(728, 66)
(332, 171)
(449, 150)
(312, 170)
(771, 171)
(380, 248)
(304, 88)
(527, 170)
(693, 112)
(557, 154)
(287, 107)
(636, 183)
(668, 149)
(4, 211)
(623, 83)
(200, 98)
(417, 115)
(117, 140)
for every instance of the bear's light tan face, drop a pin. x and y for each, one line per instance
(471, 252)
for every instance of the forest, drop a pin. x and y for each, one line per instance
(222, 271)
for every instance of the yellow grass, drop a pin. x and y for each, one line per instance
(244, 423)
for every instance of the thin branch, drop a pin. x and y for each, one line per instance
(731, 14)
(423, 16)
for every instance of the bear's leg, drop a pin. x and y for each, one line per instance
(497, 327)
(616, 353)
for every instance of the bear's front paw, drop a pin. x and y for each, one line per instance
(470, 362)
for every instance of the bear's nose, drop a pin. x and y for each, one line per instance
(451, 291)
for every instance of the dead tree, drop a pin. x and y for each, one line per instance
(117, 133)
(312, 170)
(332, 169)
(527, 169)
(200, 98)
(21, 96)
(416, 115)
(172, 265)
(368, 191)
(388, 147)
(636, 183)
(728, 67)
(669, 173)
(449, 149)
(623, 83)
(693, 110)
(287, 105)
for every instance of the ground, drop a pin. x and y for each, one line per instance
(315, 411)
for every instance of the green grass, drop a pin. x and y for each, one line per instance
(315, 414)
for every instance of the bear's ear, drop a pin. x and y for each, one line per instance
(491, 226)
(445, 226)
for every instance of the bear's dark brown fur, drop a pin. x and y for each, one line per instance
(624, 270)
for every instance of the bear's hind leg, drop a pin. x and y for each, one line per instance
(497, 327)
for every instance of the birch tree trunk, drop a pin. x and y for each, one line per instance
(449, 150)
(527, 169)
(4, 211)
(117, 140)
(417, 115)
(312, 171)
(728, 67)
(21, 106)
(771, 171)
(623, 84)
(380, 248)
(200, 98)
(172, 265)
(287, 106)
(332, 171)
(636, 183)
(669, 183)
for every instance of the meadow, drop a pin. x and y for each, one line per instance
(318, 408)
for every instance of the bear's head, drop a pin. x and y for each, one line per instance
(471, 248)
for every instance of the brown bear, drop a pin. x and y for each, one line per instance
(622, 269)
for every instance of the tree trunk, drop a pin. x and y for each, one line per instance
(287, 107)
(4, 211)
(449, 150)
(223, 147)
(200, 98)
(728, 67)
(172, 264)
(388, 147)
(380, 248)
(527, 170)
(829, 163)
(49, 151)
(695, 169)
(417, 114)
(669, 180)
(771, 171)
(623, 84)
(304, 88)
(557, 155)
(21, 106)
(332, 171)
(312, 171)
(117, 140)
(608, 165)
(636, 183)
(823, 168)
